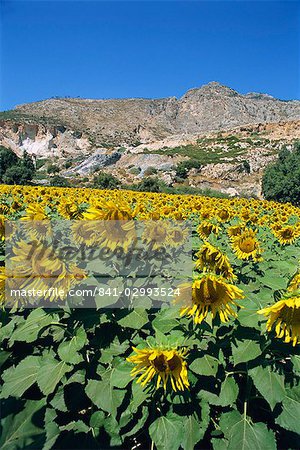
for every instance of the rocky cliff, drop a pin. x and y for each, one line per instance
(132, 121)
(132, 137)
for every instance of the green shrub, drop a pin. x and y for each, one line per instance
(281, 180)
(58, 181)
(68, 164)
(184, 167)
(7, 159)
(52, 169)
(151, 185)
(105, 181)
(150, 171)
(14, 170)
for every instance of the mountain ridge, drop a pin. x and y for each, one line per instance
(211, 107)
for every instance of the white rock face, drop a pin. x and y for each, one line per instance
(41, 141)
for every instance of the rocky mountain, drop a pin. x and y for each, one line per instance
(130, 136)
(131, 121)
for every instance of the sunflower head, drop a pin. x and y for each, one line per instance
(206, 228)
(287, 234)
(284, 317)
(235, 230)
(211, 259)
(210, 293)
(246, 245)
(161, 364)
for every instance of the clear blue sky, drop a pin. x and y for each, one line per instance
(147, 49)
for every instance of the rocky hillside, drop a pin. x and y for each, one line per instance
(132, 121)
(131, 138)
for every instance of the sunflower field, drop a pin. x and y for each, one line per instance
(217, 368)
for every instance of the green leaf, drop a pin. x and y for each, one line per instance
(208, 365)
(114, 349)
(97, 419)
(193, 432)
(58, 401)
(18, 379)
(18, 430)
(245, 351)
(113, 429)
(248, 316)
(52, 429)
(50, 373)
(296, 363)
(139, 396)
(140, 424)
(228, 394)
(68, 350)
(167, 432)
(219, 444)
(136, 319)
(104, 396)
(120, 375)
(269, 384)
(242, 434)
(29, 329)
(4, 357)
(77, 426)
(6, 330)
(165, 320)
(274, 281)
(289, 418)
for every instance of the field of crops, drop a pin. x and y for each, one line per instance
(219, 370)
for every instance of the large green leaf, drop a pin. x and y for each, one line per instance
(167, 432)
(269, 384)
(139, 395)
(51, 428)
(208, 365)
(228, 394)
(120, 374)
(104, 395)
(245, 351)
(68, 350)
(29, 329)
(114, 349)
(135, 319)
(274, 281)
(18, 379)
(18, 430)
(290, 416)
(51, 372)
(165, 320)
(296, 363)
(242, 434)
(194, 429)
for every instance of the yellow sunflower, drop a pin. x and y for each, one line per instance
(284, 318)
(294, 284)
(40, 269)
(286, 235)
(2, 227)
(163, 233)
(209, 293)
(211, 259)
(246, 246)
(164, 364)
(236, 230)
(2, 284)
(206, 228)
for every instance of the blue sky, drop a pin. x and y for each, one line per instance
(146, 49)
